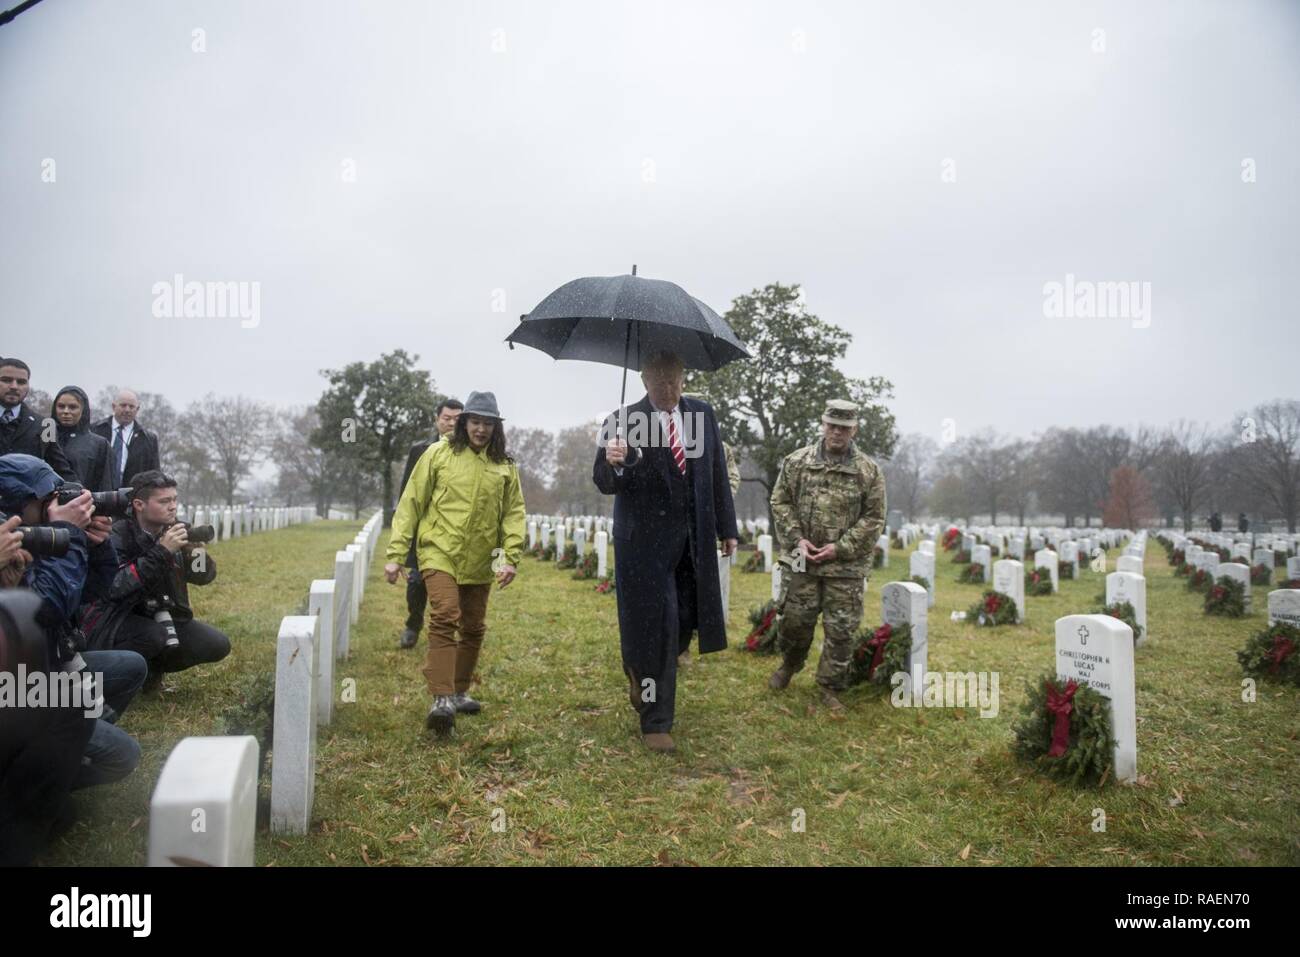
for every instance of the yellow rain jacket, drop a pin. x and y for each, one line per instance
(459, 507)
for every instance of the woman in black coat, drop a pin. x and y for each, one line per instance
(88, 452)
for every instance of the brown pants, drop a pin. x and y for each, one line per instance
(449, 664)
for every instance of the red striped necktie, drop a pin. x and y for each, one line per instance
(679, 455)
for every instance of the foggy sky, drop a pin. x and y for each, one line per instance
(720, 145)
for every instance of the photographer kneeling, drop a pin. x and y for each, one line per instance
(65, 557)
(147, 610)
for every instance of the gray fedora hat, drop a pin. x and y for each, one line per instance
(482, 403)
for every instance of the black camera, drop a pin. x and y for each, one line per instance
(113, 504)
(45, 540)
(199, 534)
(42, 540)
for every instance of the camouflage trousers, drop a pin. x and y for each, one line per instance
(839, 601)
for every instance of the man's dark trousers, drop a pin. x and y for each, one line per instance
(417, 600)
(679, 613)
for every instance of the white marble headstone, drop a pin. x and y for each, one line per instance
(1284, 606)
(923, 564)
(1097, 650)
(212, 779)
(1237, 572)
(1046, 558)
(906, 603)
(1009, 578)
(1124, 586)
(1129, 563)
(293, 761)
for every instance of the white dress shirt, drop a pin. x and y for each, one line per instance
(676, 415)
(127, 431)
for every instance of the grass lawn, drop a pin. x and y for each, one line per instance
(553, 770)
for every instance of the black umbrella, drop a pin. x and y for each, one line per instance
(622, 320)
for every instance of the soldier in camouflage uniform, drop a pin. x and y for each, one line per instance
(829, 509)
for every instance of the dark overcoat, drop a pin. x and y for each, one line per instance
(141, 451)
(643, 559)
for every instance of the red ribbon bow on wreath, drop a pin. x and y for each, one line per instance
(992, 604)
(1282, 648)
(1058, 703)
(879, 638)
(751, 642)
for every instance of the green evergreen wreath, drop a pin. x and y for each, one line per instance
(754, 563)
(879, 653)
(1065, 571)
(1125, 612)
(1199, 580)
(1226, 597)
(1273, 653)
(766, 620)
(922, 581)
(877, 557)
(570, 557)
(588, 566)
(1038, 581)
(1089, 748)
(1261, 575)
(1182, 569)
(994, 608)
(962, 557)
(974, 572)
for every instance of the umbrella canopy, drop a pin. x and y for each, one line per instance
(623, 320)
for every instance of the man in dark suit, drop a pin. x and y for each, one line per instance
(21, 430)
(132, 448)
(417, 596)
(672, 504)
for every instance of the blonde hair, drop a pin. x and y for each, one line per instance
(663, 363)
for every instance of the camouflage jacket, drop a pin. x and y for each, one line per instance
(826, 501)
(733, 470)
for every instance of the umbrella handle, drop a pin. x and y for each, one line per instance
(622, 397)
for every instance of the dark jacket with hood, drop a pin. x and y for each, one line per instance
(149, 579)
(62, 582)
(25, 435)
(87, 451)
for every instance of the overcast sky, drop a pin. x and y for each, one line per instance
(922, 169)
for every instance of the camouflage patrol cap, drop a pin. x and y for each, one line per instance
(841, 412)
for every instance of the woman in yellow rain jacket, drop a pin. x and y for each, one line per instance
(464, 509)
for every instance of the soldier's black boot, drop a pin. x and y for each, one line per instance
(780, 679)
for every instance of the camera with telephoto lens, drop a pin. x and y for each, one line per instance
(112, 504)
(198, 534)
(42, 540)
(164, 618)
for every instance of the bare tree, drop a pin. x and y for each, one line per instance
(1267, 455)
(235, 431)
(305, 468)
(534, 453)
(908, 472)
(1182, 468)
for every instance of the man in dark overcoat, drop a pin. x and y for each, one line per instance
(666, 469)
